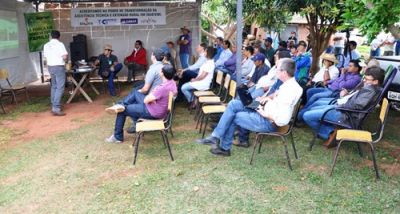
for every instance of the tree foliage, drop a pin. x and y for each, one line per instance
(323, 18)
(373, 16)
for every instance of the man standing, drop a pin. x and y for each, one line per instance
(184, 43)
(274, 112)
(136, 61)
(56, 55)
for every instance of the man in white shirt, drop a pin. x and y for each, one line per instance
(388, 45)
(225, 55)
(338, 42)
(273, 112)
(56, 55)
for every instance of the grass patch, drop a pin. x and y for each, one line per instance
(76, 172)
(35, 104)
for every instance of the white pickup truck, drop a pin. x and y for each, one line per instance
(394, 88)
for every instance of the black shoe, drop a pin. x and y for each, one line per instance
(220, 152)
(58, 113)
(208, 141)
(242, 144)
(131, 130)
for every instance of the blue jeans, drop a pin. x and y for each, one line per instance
(57, 74)
(111, 77)
(187, 90)
(313, 117)
(256, 92)
(237, 115)
(320, 102)
(134, 108)
(313, 94)
(375, 53)
(184, 57)
(186, 77)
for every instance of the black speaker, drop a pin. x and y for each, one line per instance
(79, 38)
(78, 51)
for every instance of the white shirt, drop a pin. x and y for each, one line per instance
(389, 47)
(199, 62)
(282, 105)
(225, 55)
(54, 51)
(332, 70)
(204, 84)
(269, 79)
(375, 44)
(339, 43)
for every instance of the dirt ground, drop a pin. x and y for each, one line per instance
(30, 126)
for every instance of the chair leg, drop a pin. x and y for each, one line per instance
(170, 131)
(374, 160)
(312, 142)
(2, 107)
(259, 147)
(287, 153)
(293, 146)
(168, 145)
(163, 138)
(201, 122)
(139, 135)
(335, 157)
(360, 152)
(198, 120)
(14, 97)
(254, 148)
(205, 125)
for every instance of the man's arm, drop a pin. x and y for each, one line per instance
(145, 88)
(149, 98)
(200, 77)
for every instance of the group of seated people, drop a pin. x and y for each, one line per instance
(278, 83)
(109, 66)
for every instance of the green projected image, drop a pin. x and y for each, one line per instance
(9, 42)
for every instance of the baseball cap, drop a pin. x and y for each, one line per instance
(268, 39)
(259, 56)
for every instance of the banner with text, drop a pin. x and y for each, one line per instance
(38, 27)
(81, 17)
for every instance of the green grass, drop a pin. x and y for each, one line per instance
(364, 50)
(76, 172)
(35, 104)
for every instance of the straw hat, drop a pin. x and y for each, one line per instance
(330, 57)
(108, 46)
(185, 28)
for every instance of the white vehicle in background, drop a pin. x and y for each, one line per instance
(394, 89)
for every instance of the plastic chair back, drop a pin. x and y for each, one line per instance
(3, 74)
(232, 89)
(382, 118)
(284, 130)
(220, 76)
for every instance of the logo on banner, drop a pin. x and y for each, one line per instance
(86, 22)
(107, 21)
(129, 21)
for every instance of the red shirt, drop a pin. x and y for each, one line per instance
(138, 57)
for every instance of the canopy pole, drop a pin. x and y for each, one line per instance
(40, 52)
(239, 35)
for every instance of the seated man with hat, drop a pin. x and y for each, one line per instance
(109, 67)
(327, 72)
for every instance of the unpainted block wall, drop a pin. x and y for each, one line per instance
(123, 38)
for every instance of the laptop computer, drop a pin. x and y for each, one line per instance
(246, 98)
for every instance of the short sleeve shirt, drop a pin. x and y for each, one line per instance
(153, 75)
(159, 108)
(204, 84)
(106, 62)
(185, 48)
(54, 51)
